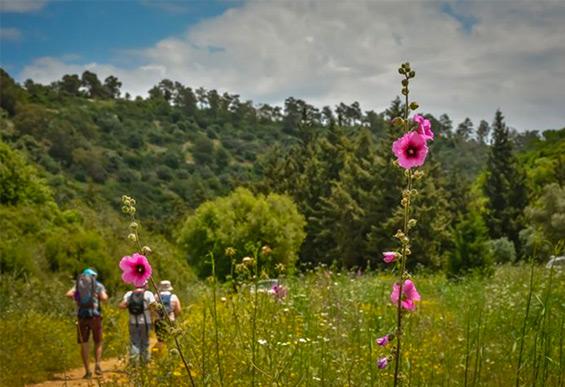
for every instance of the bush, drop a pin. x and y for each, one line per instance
(471, 251)
(503, 250)
(241, 220)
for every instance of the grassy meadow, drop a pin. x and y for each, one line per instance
(499, 331)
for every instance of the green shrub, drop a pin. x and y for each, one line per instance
(238, 220)
(503, 250)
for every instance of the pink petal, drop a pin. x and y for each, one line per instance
(125, 263)
(395, 293)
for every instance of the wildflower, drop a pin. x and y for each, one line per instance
(383, 341)
(136, 269)
(382, 362)
(389, 256)
(132, 237)
(248, 261)
(409, 295)
(146, 250)
(262, 341)
(266, 250)
(424, 127)
(279, 291)
(411, 150)
(230, 251)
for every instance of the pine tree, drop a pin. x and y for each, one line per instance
(505, 186)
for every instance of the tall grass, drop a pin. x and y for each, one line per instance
(468, 333)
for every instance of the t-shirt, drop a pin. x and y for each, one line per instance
(96, 310)
(145, 317)
(174, 302)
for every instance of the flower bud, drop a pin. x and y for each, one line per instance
(412, 74)
(133, 225)
(405, 82)
(248, 261)
(125, 209)
(414, 105)
(132, 237)
(404, 202)
(398, 121)
(124, 198)
(146, 250)
(132, 210)
(404, 91)
(266, 250)
(230, 251)
(401, 71)
(411, 223)
(418, 175)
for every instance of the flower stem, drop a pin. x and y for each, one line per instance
(162, 306)
(403, 258)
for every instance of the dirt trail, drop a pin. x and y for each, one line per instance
(110, 367)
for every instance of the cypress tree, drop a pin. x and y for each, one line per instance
(505, 186)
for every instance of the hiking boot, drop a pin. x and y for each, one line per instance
(88, 375)
(98, 370)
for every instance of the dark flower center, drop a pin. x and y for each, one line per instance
(411, 151)
(140, 269)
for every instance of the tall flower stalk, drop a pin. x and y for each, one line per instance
(411, 151)
(128, 207)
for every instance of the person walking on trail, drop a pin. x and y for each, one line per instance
(138, 303)
(88, 293)
(172, 309)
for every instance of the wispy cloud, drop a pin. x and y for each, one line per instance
(10, 34)
(326, 52)
(169, 6)
(20, 6)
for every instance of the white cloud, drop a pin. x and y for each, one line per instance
(19, 6)
(327, 52)
(10, 34)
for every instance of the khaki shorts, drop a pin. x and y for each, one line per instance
(86, 325)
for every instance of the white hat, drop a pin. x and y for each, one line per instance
(165, 286)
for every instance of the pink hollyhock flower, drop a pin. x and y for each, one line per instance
(136, 269)
(411, 150)
(382, 341)
(382, 362)
(424, 127)
(409, 295)
(389, 256)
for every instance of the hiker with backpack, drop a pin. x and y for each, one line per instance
(172, 309)
(88, 293)
(138, 303)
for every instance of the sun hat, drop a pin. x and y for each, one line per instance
(89, 271)
(165, 286)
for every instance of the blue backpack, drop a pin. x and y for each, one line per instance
(166, 299)
(85, 295)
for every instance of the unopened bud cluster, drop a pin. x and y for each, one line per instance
(128, 205)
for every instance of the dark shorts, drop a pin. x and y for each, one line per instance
(86, 325)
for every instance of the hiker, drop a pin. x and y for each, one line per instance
(88, 293)
(138, 303)
(172, 308)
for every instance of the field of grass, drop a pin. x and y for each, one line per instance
(500, 331)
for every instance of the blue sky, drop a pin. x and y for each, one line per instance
(471, 56)
(96, 31)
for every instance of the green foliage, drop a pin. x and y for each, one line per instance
(505, 187)
(241, 220)
(546, 218)
(471, 251)
(503, 250)
(19, 182)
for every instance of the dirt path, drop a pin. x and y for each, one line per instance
(111, 368)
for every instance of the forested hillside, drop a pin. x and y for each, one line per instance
(71, 149)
